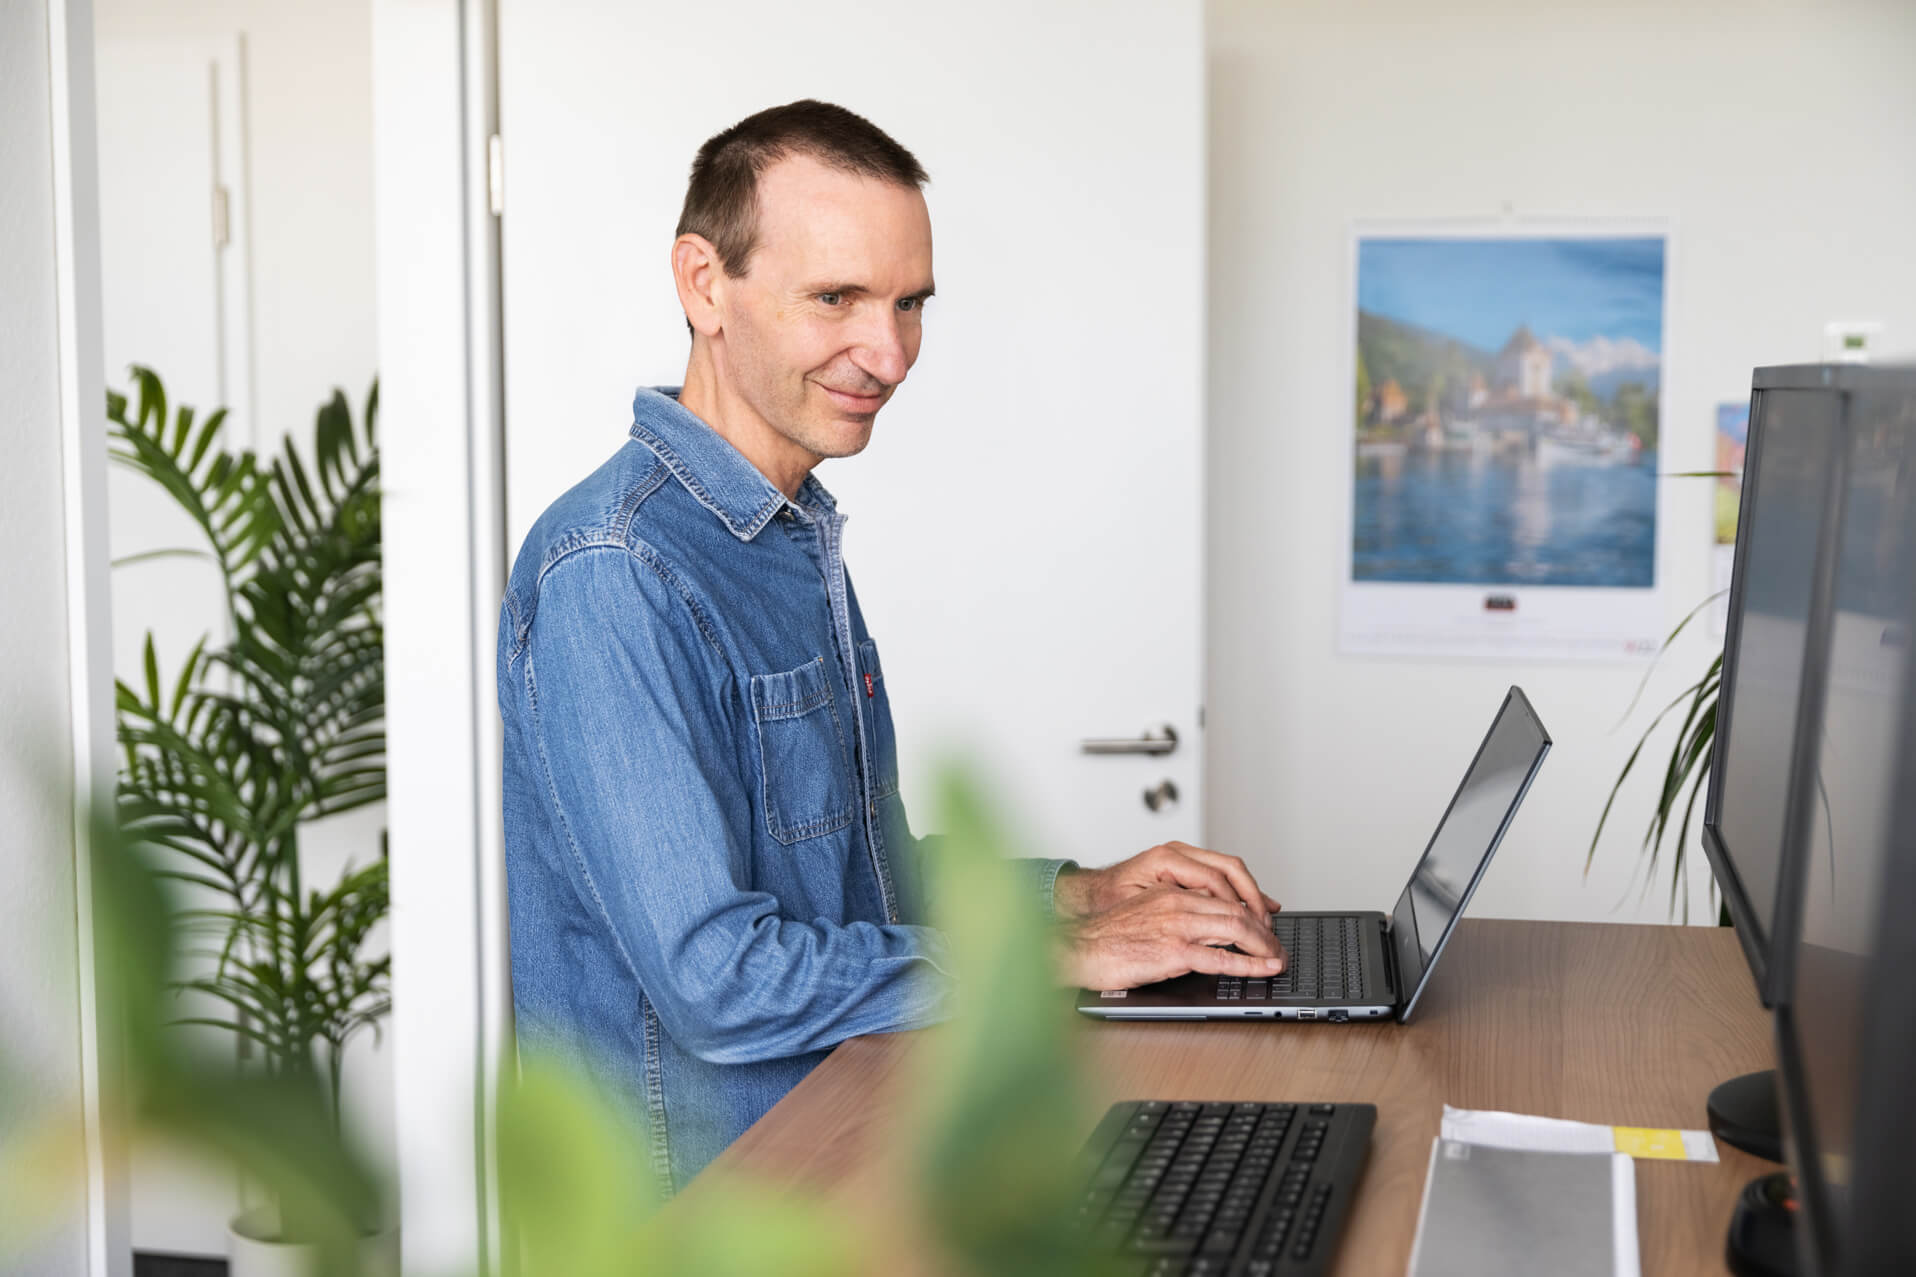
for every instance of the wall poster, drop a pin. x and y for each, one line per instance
(1732, 432)
(1505, 409)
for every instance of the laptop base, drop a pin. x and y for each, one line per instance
(1295, 994)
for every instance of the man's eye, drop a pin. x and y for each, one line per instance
(831, 299)
(909, 304)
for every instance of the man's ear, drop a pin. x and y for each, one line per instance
(700, 278)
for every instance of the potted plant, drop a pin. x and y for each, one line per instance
(1688, 768)
(282, 723)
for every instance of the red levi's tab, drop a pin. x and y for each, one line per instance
(869, 692)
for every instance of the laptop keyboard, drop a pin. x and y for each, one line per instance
(1327, 961)
(1210, 1190)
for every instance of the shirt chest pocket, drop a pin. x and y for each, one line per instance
(802, 753)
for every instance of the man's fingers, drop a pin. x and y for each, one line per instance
(1194, 875)
(1205, 927)
(1179, 900)
(1223, 962)
(1272, 905)
(1243, 885)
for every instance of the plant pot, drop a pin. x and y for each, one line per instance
(253, 1251)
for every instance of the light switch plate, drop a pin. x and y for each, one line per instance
(1850, 341)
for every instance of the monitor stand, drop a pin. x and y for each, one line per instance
(1744, 1114)
(1761, 1241)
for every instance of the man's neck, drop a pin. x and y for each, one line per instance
(780, 460)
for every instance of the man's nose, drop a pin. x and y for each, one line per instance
(881, 354)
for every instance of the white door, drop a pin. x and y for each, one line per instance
(174, 298)
(1024, 529)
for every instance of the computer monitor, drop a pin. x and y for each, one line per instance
(1783, 536)
(1846, 1029)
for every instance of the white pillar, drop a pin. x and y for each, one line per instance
(437, 270)
(56, 725)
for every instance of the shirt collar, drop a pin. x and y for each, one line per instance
(715, 472)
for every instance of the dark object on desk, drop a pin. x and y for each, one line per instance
(1846, 1008)
(1205, 1190)
(155, 1264)
(1775, 655)
(1762, 1240)
(1744, 1114)
(1762, 786)
(1364, 966)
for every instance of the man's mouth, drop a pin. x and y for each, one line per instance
(852, 401)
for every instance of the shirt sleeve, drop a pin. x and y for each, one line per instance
(635, 726)
(1040, 876)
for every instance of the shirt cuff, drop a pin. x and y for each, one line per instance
(1043, 876)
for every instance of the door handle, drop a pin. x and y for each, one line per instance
(1163, 741)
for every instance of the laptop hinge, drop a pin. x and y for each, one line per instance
(1391, 976)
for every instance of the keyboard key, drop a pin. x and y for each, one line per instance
(1222, 1240)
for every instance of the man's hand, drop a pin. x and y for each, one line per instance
(1160, 932)
(1081, 892)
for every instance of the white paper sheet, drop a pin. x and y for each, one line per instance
(1556, 1135)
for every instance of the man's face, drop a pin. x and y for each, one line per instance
(827, 319)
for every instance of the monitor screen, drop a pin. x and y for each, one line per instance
(1786, 497)
(1856, 749)
(1468, 834)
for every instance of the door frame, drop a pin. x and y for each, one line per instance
(436, 101)
(90, 760)
(436, 107)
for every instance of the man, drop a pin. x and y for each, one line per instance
(712, 880)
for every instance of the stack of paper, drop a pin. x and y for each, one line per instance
(1507, 1193)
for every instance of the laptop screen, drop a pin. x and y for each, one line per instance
(1467, 835)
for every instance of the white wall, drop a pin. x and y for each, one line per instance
(307, 181)
(39, 992)
(1779, 137)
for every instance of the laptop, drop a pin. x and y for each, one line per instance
(1369, 966)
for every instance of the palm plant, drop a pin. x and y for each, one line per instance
(1688, 766)
(280, 724)
(1690, 759)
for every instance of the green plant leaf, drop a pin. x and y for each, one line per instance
(147, 556)
(1631, 762)
(283, 723)
(1644, 682)
(999, 1112)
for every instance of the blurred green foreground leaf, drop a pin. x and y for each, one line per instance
(995, 1113)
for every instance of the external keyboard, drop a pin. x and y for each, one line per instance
(1182, 1189)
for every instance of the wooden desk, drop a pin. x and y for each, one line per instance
(1617, 1024)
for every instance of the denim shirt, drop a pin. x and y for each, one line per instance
(711, 877)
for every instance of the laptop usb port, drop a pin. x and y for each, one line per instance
(1339, 1016)
(1307, 1013)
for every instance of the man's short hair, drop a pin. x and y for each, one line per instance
(721, 202)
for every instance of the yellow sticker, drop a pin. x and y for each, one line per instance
(1642, 1141)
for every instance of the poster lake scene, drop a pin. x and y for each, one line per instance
(1507, 410)
(1732, 436)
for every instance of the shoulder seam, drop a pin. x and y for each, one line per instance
(643, 552)
(636, 495)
